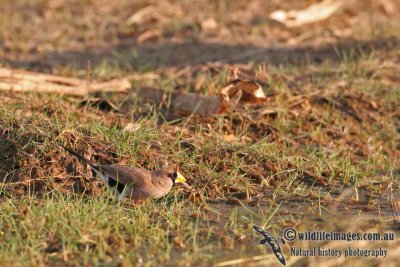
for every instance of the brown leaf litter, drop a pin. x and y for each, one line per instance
(232, 95)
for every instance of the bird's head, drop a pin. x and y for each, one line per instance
(175, 176)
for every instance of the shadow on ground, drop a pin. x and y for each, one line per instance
(130, 55)
(8, 159)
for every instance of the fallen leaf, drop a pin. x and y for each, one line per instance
(231, 95)
(141, 15)
(251, 92)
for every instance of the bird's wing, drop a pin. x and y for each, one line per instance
(127, 175)
(117, 178)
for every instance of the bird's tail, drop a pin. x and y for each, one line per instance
(94, 166)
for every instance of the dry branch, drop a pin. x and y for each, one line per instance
(314, 13)
(23, 81)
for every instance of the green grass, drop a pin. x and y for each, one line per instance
(327, 159)
(59, 223)
(94, 230)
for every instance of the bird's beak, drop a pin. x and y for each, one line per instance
(180, 178)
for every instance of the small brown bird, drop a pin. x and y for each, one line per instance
(134, 183)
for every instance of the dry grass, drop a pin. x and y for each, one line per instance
(323, 155)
